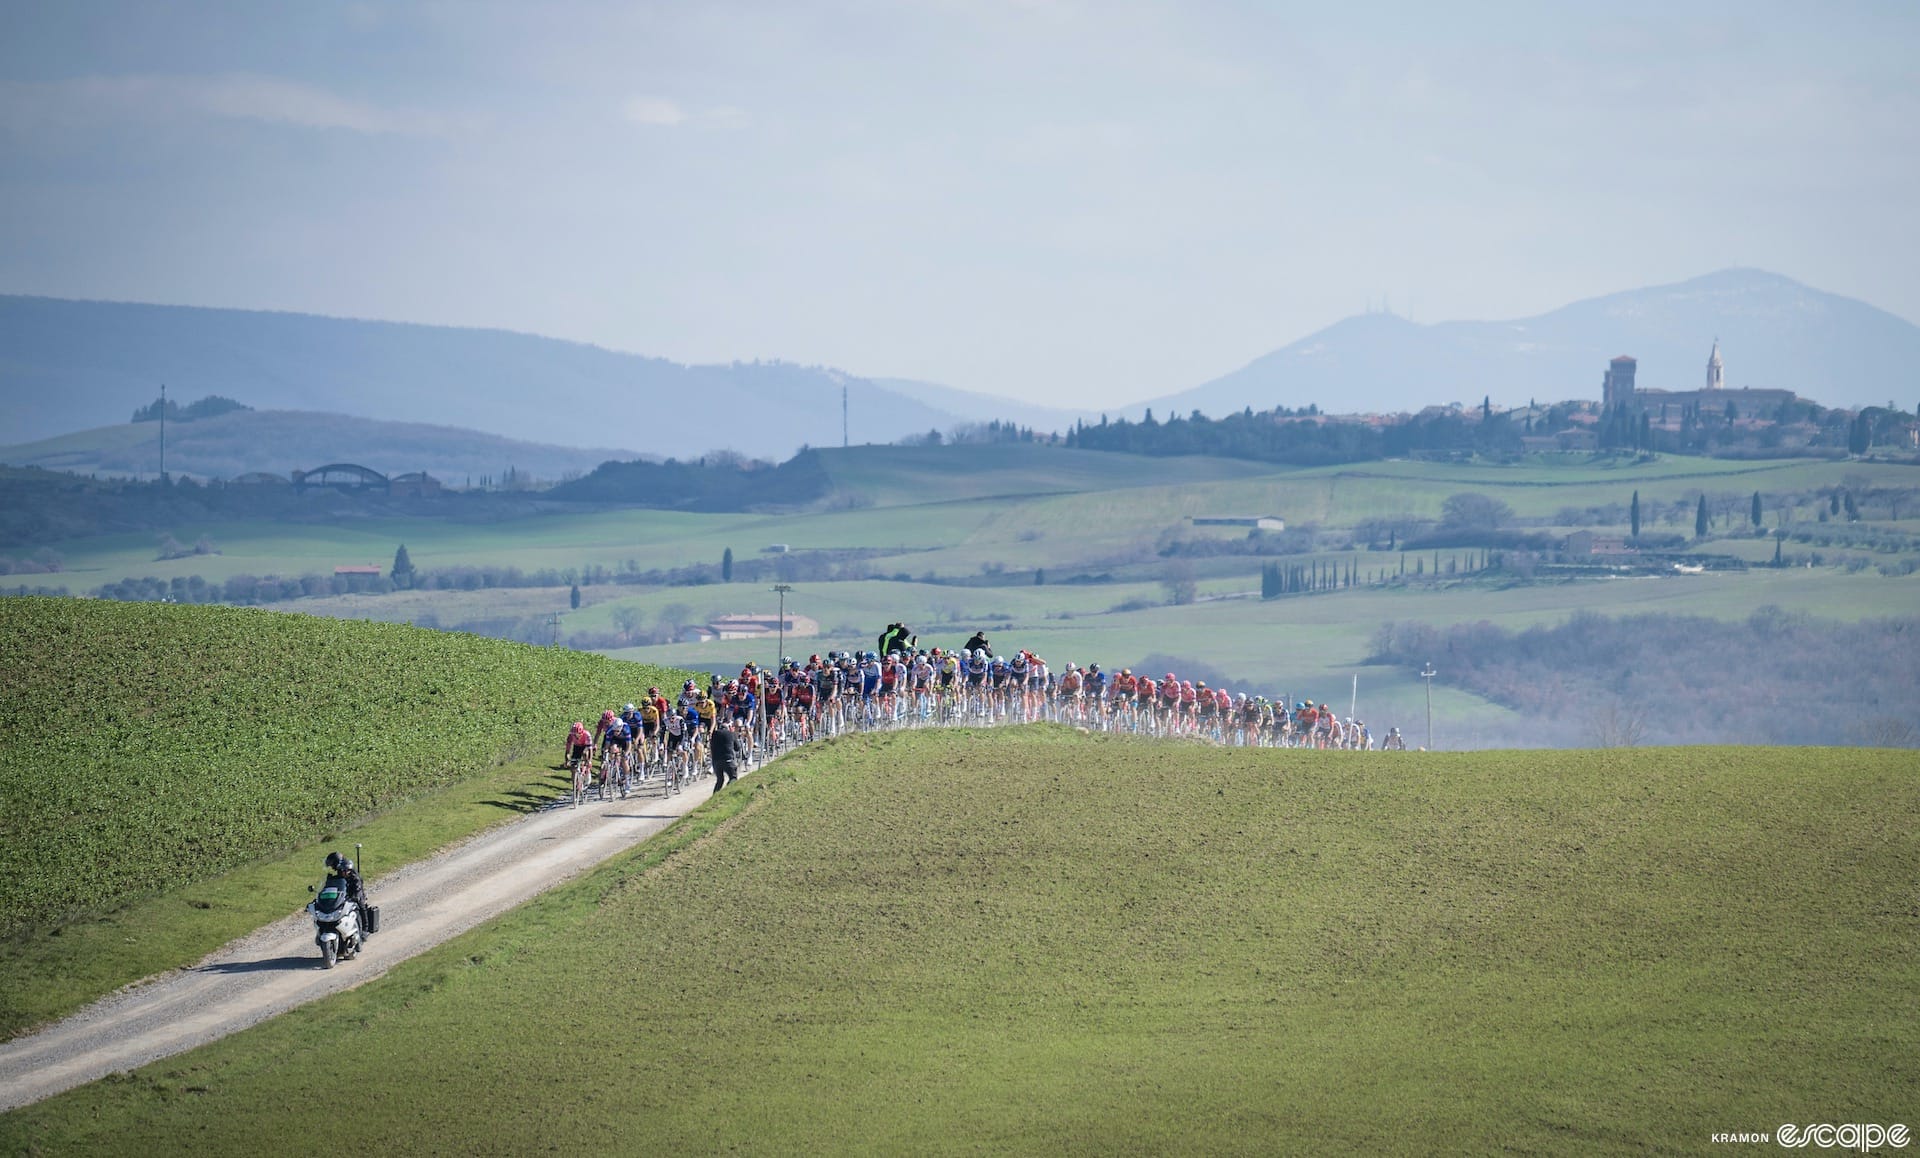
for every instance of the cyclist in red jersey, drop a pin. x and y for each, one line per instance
(578, 741)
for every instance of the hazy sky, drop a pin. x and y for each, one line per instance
(1068, 202)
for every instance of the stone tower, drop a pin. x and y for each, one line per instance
(1716, 373)
(1616, 389)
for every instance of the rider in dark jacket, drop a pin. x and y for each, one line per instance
(342, 869)
(979, 643)
(897, 637)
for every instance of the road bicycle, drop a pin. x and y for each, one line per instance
(582, 773)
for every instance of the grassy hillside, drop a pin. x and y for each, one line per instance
(282, 441)
(1039, 942)
(899, 475)
(148, 745)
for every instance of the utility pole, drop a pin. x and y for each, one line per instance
(781, 589)
(843, 416)
(553, 629)
(1427, 673)
(163, 432)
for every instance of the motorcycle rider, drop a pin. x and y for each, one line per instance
(342, 868)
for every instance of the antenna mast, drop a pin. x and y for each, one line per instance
(843, 416)
(163, 432)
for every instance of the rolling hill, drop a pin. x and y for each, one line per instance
(66, 365)
(1773, 332)
(282, 441)
(1025, 941)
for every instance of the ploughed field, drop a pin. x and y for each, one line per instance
(1040, 941)
(147, 749)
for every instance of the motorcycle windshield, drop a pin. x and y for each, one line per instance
(332, 899)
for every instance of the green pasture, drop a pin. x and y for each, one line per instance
(1038, 942)
(910, 476)
(52, 970)
(147, 746)
(1084, 520)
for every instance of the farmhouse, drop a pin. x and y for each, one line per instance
(1257, 522)
(1587, 545)
(754, 627)
(373, 569)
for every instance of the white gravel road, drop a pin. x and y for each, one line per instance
(278, 967)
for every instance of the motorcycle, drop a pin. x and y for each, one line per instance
(337, 921)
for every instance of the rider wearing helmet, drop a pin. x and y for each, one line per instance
(607, 719)
(341, 868)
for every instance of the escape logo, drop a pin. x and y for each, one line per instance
(1863, 1137)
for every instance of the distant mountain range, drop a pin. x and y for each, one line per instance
(72, 365)
(1773, 332)
(283, 441)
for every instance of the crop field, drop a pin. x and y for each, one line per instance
(965, 515)
(958, 511)
(148, 745)
(1042, 942)
(908, 476)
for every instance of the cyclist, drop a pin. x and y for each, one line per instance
(649, 722)
(740, 702)
(607, 719)
(1038, 683)
(630, 716)
(579, 742)
(619, 741)
(1096, 681)
(892, 675)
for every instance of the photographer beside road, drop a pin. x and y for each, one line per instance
(726, 752)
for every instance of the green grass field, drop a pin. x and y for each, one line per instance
(1037, 942)
(963, 512)
(953, 511)
(146, 747)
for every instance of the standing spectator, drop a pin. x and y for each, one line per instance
(725, 752)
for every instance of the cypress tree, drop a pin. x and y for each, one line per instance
(726, 565)
(1634, 514)
(402, 568)
(1756, 508)
(573, 597)
(1700, 519)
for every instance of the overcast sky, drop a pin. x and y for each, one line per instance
(1077, 203)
